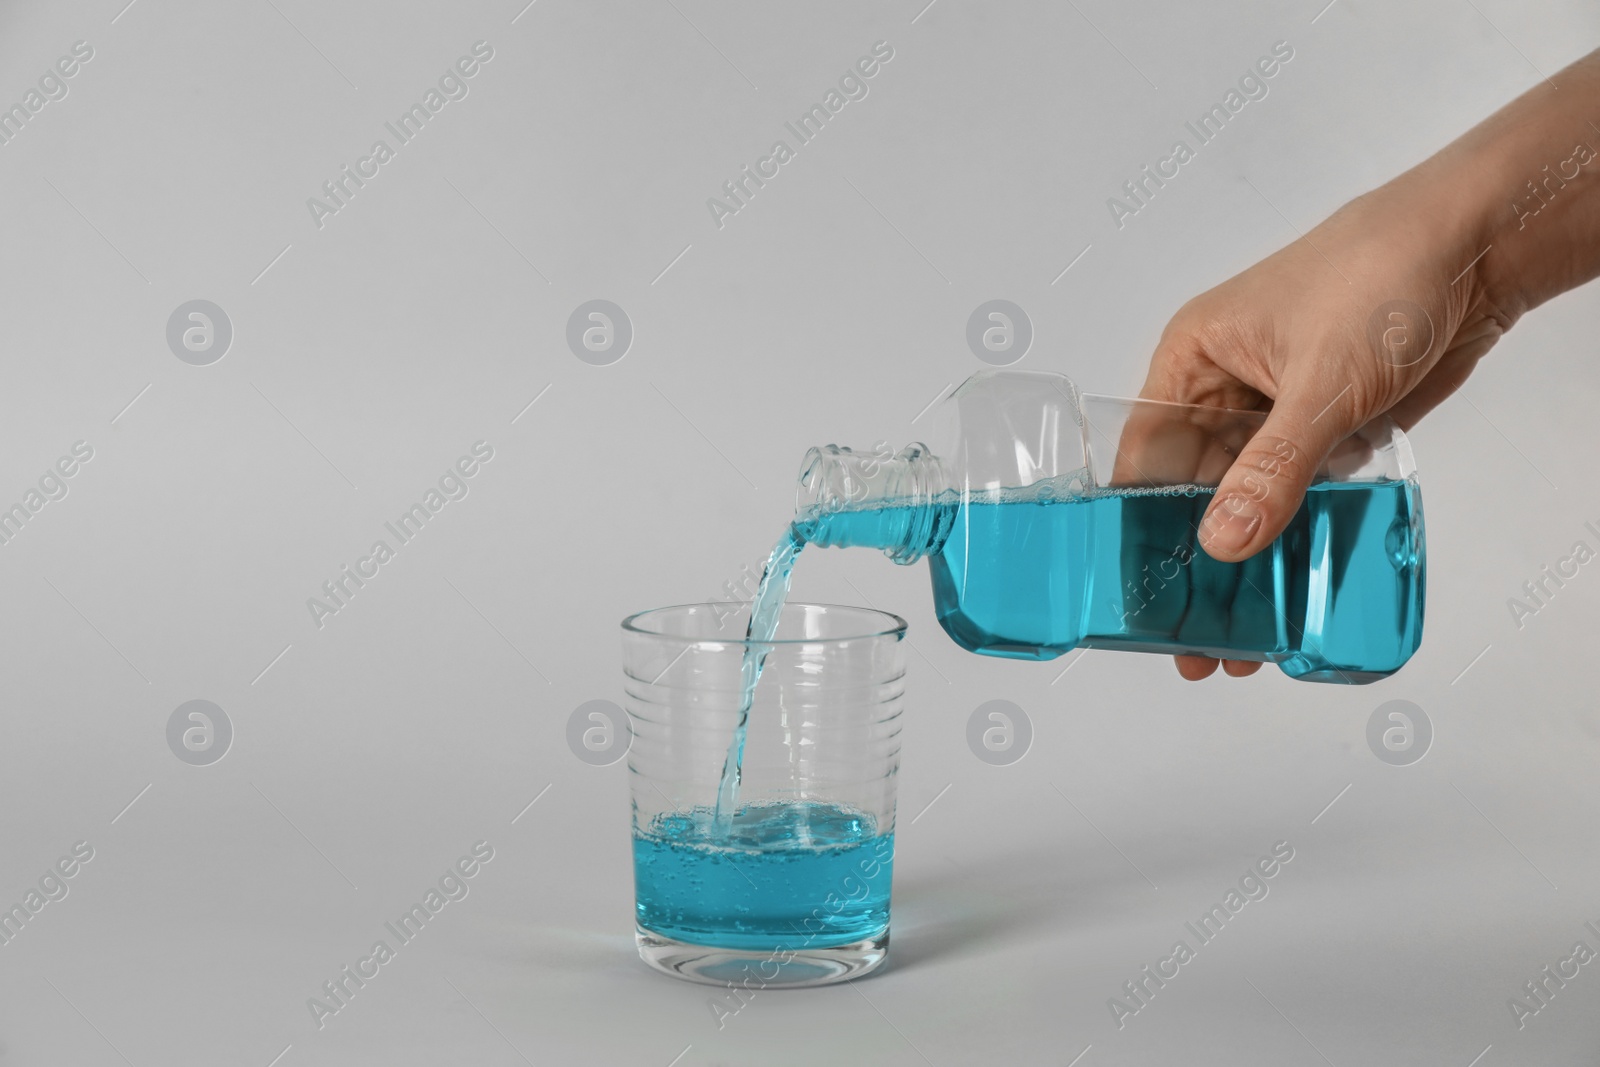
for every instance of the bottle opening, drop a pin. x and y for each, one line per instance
(875, 499)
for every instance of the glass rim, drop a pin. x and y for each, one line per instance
(896, 627)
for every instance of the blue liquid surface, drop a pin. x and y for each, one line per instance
(781, 876)
(1338, 597)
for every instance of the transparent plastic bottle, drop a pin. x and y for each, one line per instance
(1053, 520)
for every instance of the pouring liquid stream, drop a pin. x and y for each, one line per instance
(765, 610)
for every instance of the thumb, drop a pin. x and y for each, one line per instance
(1262, 490)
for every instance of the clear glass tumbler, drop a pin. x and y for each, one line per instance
(789, 885)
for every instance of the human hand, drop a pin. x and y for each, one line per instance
(1499, 221)
(1306, 336)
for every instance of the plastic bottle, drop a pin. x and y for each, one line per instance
(1053, 520)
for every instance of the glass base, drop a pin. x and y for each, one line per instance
(754, 969)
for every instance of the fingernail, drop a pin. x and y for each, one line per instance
(1229, 525)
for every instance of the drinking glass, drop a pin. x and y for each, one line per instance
(789, 884)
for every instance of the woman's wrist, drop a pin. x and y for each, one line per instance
(1545, 232)
(1434, 225)
(1526, 185)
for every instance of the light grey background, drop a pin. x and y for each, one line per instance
(369, 354)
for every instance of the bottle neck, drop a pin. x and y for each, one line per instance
(877, 499)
